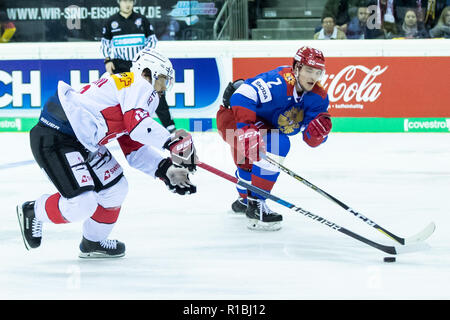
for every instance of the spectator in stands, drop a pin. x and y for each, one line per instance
(442, 28)
(357, 26)
(427, 11)
(385, 23)
(411, 28)
(329, 30)
(340, 10)
(7, 28)
(170, 31)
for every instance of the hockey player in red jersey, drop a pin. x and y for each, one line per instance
(260, 115)
(69, 144)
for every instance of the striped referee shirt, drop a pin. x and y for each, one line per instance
(123, 37)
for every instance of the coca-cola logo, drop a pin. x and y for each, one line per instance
(346, 84)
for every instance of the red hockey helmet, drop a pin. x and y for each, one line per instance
(310, 57)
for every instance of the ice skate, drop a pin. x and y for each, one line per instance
(260, 217)
(239, 206)
(30, 227)
(102, 249)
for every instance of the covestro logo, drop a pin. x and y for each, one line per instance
(441, 125)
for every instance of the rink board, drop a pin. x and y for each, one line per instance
(10, 124)
(373, 85)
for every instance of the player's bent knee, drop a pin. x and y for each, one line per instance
(115, 195)
(80, 207)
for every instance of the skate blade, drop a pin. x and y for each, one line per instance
(98, 255)
(259, 225)
(21, 222)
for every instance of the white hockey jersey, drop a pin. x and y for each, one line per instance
(117, 107)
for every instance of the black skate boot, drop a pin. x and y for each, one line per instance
(102, 249)
(239, 206)
(261, 217)
(30, 227)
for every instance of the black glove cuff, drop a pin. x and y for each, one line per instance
(163, 166)
(229, 90)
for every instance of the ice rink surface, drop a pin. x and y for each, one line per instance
(193, 247)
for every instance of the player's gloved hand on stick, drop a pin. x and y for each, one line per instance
(318, 129)
(175, 178)
(250, 142)
(182, 150)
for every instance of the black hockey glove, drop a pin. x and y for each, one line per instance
(229, 90)
(182, 150)
(175, 178)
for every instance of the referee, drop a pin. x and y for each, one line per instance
(124, 35)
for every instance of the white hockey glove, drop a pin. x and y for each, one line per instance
(175, 178)
(182, 150)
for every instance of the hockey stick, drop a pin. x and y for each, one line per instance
(330, 224)
(421, 236)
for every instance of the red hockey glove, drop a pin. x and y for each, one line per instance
(250, 142)
(182, 150)
(318, 129)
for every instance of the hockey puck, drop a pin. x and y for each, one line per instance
(389, 259)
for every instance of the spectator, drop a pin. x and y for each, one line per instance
(427, 11)
(171, 30)
(7, 28)
(385, 24)
(329, 30)
(411, 28)
(358, 25)
(442, 28)
(340, 10)
(124, 35)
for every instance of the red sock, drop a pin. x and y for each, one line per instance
(52, 209)
(106, 215)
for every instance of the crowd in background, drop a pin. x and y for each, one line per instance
(384, 19)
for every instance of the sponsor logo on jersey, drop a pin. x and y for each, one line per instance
(129, 40)
(263, 90)
(152, 96)
(85, 178)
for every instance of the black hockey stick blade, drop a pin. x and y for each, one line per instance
(388, 249)
(419, 237)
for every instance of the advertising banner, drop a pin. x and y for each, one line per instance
(69, 20)
(375, 92)
(387, 87)
(27, 84)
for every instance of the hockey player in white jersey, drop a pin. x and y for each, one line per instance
(69, 142)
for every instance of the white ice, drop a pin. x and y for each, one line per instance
(193, 248)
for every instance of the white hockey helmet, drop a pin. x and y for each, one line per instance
(156, 62)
